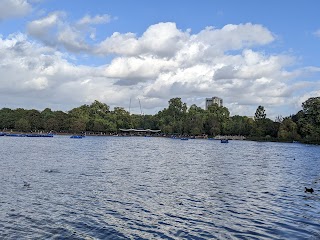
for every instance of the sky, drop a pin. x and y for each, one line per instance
(63, 54)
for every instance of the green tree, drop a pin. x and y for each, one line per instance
(35, 119)
(308, 120)
(63, 121)
(98, 110)
(194, 121)
(7, 118)
(288, 130)
(261, 123)
(23, 125)
(121, 117)
(240, 125)
(311, 109)
(216, 120)
(78, 125)
(51, 124)
(171, 119)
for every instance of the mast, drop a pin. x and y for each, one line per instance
(140, 106)
(142, 117)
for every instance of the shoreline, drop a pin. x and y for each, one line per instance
(173, 136)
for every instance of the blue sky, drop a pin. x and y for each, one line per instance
(62, 54)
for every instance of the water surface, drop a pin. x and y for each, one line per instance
(152, 188)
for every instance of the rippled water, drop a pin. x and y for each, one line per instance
(151, 188)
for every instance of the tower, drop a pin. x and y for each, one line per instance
(214, 100)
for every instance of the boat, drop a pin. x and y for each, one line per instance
(39, 135)
(77, 136)
(2, 134)
(224, 140)
(184, 138)
(174, 137)
(15, 135)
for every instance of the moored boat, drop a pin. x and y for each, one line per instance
(39, 135)
(15, 135)
(77, 136)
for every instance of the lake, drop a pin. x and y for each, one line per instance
(157, 188)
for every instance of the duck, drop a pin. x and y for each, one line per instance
(26, 184)
(310, 190)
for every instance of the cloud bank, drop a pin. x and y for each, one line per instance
(162, 62)
(14, 8)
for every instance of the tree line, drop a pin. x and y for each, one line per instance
(177, 119)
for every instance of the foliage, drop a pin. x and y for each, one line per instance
(177, 118)
(288, 130)
(308, 120)
(22, 125)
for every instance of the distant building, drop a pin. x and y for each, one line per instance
(214, 100)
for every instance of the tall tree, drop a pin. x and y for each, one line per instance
(216, 120)
(311, 109)
(194, 121)
(172, 118)
(309, 120)
(259, 129)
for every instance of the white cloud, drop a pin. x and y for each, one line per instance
(122, 44)
(164, 62)
(38, 83)
(138, 69)
(55, 30)
(46, 27)
(33, 76)
(28, 68)
(162, 39)
(14, 8)
(308, 95)
(317, 33)
(235, 37)
(166, 40)
(72, 39)
(98, 19)
(173, 63)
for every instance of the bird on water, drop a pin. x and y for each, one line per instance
(310, 190)
(26, 184)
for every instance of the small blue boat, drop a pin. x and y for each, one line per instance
(224, 140)
(2, 134)
(184, 138)
(15, 135)
(76, 136)
(46, 135)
